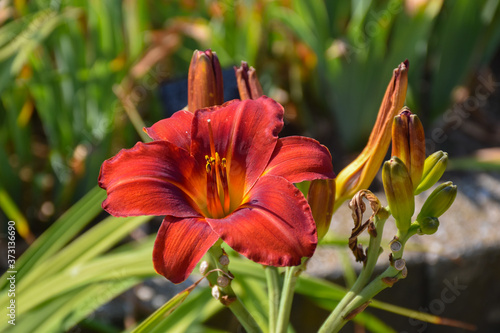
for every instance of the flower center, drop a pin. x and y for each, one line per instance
(218, 200)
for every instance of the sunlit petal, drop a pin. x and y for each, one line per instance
(297, 158)
(273, 227)
(176, 129)
(155, 178)
(179, 246)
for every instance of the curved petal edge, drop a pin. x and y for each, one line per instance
(298, 158)
(179, 246)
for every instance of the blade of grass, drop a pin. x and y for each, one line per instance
(10, 209)
(155, 319)
(94, 242)
(62, 313)
(60, 233)
(109, 267)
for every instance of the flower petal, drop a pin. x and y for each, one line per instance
(244, 132)
(176, 129)
(156, 178)
(179, 245)
(273, 227)
(297, 158)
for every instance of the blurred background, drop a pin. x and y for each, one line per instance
(79, 79)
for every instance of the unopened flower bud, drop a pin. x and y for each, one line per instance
(321, 199)
(428, 225)
(361, 172)
(408, 143)
(439, 201)
(248, 84)
(399, 192)
(205, 86)
(434, 167)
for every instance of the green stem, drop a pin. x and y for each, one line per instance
(370, 291)
(273, 286)
(227, 293)
(373, 252)
(291, 275)
(244, 317)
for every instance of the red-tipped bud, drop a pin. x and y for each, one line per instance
(248, 83)
(408, 143)
(205, 86)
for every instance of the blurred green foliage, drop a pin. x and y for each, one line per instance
(78, 79)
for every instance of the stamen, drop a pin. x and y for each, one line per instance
(208, 166)
(213, 199)
(211, 137)
(217, 183)
(225, 186)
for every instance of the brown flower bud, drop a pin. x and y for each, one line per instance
(205, 86)
(408, 143)
(248, 83)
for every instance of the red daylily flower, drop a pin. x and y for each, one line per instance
(221, 173)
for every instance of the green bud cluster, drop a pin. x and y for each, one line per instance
(439, 201)
(436, 205)
(434, 167)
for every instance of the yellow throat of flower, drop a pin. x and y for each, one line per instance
(218, 199)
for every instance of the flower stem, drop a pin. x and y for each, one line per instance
(291, 275)
(358, 302)
(273, 286)
(244, 317)
(227, 294)
(373, 252)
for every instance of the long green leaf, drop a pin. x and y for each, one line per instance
(89, 245)
(163, 312)
(113, 267)
(60, 233)
(62, 313)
